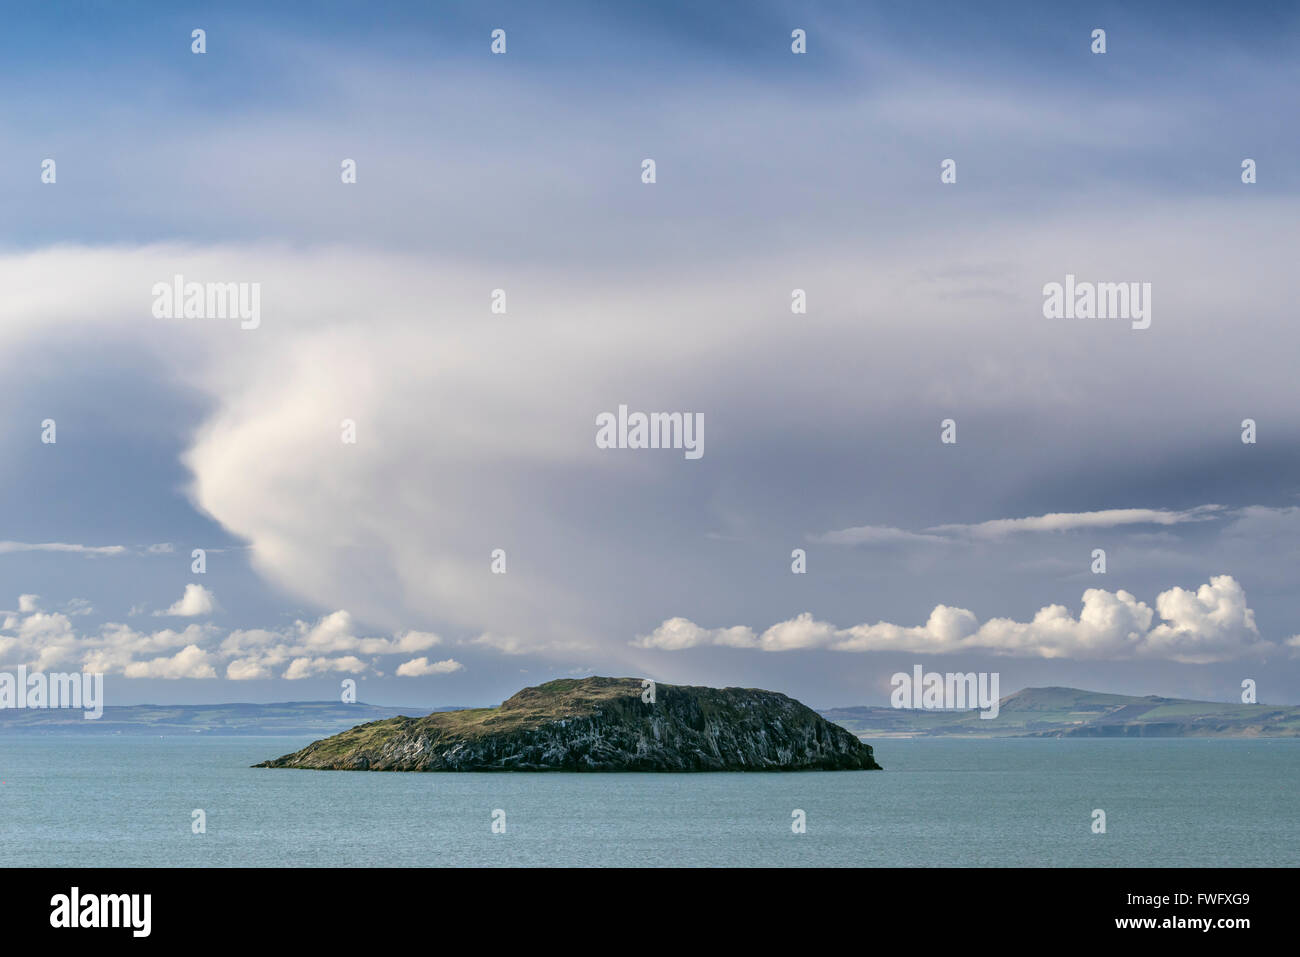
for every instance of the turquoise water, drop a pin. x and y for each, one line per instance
(123, 801)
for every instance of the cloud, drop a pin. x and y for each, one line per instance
(334, 632)
(1211, 624)
(190, 662)
(513, 645)
(196, 601)
(418, 667)
(117, 648)
(1205, 625)
(27, 603)
(872, 535)
(411, 641)
(307, 649)
(40, 640)
(313, 649)
(309, 667)
(303, 649)
(467, 428)
(1068, 521)
(248, 669)
(677, 633)
(79, 606)
(1003, 527)
(9, 547)
(266, 463)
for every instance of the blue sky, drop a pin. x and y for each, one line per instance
(774, 172)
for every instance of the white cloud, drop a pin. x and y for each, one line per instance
(41, 641)
(79, 606)
(267, 463)
(308, 667)
(1068, 521)
(418, 667)
(505, 644)
(190, 662)
(303, 649)
(872, 535)
(248, 669)
(9, 547)
(313, 648)
(409, 642)
(196, 601)
(513, 645)
(1211, 624)
(678, 633)
(1003, 527)
(117, 647)
(334, 632)
(1205, 625)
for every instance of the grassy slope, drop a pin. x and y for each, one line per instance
(530, 708)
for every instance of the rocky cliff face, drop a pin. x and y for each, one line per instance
(600, 724)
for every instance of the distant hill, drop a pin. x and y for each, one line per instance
(295, 717)
(1033, 712)
(1069, 712)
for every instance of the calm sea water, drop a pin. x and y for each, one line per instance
(100, 801)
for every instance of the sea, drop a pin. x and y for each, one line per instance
(119, 800)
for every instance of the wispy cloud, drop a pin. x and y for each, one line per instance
(873, 535)
(12, 547)
(1068, 521)
(1004, 527)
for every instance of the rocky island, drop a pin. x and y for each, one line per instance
(600, 724)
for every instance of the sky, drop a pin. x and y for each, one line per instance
(475, 430)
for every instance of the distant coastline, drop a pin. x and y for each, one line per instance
(1073, 713)
(295, 717)
(1032, 712)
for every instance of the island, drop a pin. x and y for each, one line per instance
(600, 724)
